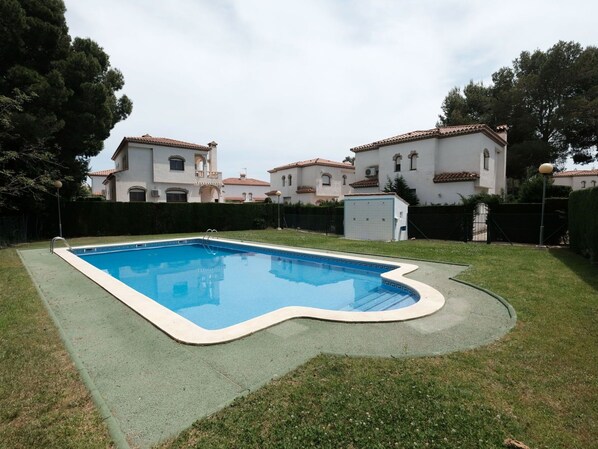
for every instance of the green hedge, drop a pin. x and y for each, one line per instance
(108, 218)
(583, 222)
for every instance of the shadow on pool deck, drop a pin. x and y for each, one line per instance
(156, 387)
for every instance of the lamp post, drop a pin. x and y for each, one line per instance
(58, 185)
(545, 170)
(278, 193)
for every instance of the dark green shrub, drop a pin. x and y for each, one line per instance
(583, 223)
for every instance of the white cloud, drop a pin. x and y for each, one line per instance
(278, 81)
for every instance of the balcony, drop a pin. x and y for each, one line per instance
(211, 178)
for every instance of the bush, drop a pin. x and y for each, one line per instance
(583, 223)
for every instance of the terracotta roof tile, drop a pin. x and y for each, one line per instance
(317, 161)
(592, 172)
(102, 172)
(455, 177)
(435, 133)
(306, 189)
(365, 183)
(271, 193)
(245, 182)
(162, 141)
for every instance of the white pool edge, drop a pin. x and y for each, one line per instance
(185, 331)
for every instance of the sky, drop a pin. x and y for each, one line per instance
(279, 81)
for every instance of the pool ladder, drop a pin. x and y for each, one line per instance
(54, 241)
(206, 241)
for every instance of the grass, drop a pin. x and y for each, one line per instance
(538, 384)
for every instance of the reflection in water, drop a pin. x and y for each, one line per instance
(222, 287)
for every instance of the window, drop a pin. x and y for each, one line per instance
(125, 161)
(413, 161)
(250, 197)
(583, 184)
(177, 163)
(283, 180)
(486, 159)
(344, 180)
(176, 196)
(397, 158)
(137, 195)
(593, 183)
(244, 196)
(326, 179)
(290, 180)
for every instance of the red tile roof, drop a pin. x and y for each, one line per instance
(162, 141)
(245, 182)
(102, 172)
(317, 161)
(592, 172)
(434, 133)
(455, 177)
(365, 183)
(306, 189)
(271, 193)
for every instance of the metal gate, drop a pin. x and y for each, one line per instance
(480, 223)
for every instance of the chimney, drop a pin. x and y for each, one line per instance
(501, 130)
(242, 176)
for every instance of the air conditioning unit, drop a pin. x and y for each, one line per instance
(371, 172)
(155, 193)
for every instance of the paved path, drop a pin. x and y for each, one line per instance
(156, 387)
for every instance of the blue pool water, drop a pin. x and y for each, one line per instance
(224, 284)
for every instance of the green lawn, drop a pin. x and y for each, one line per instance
(538, 384)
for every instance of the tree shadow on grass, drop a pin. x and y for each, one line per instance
(585, 271)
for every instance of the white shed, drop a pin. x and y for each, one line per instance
(375, 216)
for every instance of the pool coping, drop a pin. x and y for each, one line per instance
(185, 331)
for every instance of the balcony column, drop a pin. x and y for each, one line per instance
(213, 156)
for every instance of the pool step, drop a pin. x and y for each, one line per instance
(378, 300)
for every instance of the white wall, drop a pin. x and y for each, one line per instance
(149, 168)
(237, 191)
(436, 156)
(311, 176)
(375, 217)
(575, 182)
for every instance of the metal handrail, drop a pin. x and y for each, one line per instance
(54, 241)
(206, 240)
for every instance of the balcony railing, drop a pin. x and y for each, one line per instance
(208, 177)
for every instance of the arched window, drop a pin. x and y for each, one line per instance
(137, 195)
(413, 160)
(326, 178)
(583, 184)
(290, 180)
(250, 197)
(177, 163)
(593, 183)
(486, 159)
(244, 196)
(397, 158)
(283, 180)
(344, 180)
(176, 196)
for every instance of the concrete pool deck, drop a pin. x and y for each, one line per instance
(153, 387)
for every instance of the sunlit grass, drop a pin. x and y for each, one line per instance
(538, 384)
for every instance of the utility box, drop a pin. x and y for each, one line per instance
(375, 216)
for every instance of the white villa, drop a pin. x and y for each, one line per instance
(439, 164)
(577, 179)
(97, 181)
(311, 181)
(157, 169)
(245, 190)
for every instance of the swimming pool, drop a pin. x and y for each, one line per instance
(203, 294)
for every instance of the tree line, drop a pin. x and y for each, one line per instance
(58, 102)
